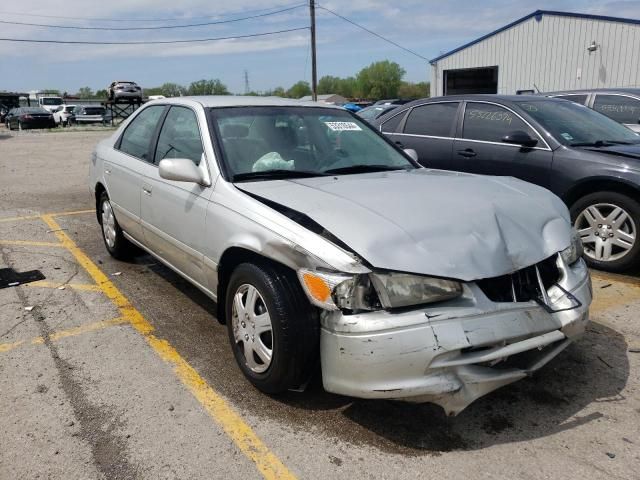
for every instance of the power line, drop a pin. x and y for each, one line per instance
(91, 19)
(160, 27)
(372, 32)
(152, 42)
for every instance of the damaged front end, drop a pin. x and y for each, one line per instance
(465, 339)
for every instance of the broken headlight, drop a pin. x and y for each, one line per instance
(397, 290)
(374, 291)
(574, 251)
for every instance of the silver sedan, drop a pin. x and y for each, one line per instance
(324, 243)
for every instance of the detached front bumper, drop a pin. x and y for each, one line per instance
(453, 353)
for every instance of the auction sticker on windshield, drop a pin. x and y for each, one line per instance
(342, 126)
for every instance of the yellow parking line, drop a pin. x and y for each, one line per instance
(217, 407)
(87, 287)
(19, 219)
(31, 243)
(38, 217)
(72, 332)
(73, 212)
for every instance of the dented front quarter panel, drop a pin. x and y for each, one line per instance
(235, 219)
(442, 354)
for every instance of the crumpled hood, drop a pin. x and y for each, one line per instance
(431, 222)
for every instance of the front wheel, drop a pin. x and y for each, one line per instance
(273, 330)
(608, 225)
(117, 245)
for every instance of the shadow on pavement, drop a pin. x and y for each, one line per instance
(591, 371)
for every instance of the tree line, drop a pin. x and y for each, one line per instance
(379, 80)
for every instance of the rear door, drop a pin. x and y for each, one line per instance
(621, 108)
(173, 213)
(124, 169)
(479, 147)
(429, 130)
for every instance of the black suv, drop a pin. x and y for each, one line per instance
(587, 159)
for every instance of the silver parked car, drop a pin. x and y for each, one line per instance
(124, 90)
(619, 104)
(321, 240)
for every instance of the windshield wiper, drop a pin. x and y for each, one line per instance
(600, 143)
(363, 169)
(276, 174)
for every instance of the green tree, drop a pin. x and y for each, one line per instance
(414, 90)
(329, 84)
(174, 90)
(380, 80)
(208, 87)
(276, 92)
(101, 94)
(85, 92)
(299, 90)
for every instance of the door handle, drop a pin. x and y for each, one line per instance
(467, 153)
(146, 189)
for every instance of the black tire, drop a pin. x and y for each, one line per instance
(294, 322)
(631, 206)
(121, 248)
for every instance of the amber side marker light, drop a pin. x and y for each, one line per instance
(316, 287)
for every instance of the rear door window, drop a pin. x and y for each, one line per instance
(180, 136)
(490, 123)
(436, 119)
(391, 125)
(136, 139)
(618, 107)
(581, 99)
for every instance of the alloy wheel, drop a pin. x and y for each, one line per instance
(607, 231)
(252, 330)
(108, 224)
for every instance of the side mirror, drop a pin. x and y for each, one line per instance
(518, 137)
(180, 170)
(412, 153)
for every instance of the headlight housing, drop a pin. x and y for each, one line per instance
(375, 291)
(574, 251)
(397, 290)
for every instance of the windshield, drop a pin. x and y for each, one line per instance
(573, 125)
(300, 141)
(93, 111)
(371, 113)
(51, 101)
(34, 110)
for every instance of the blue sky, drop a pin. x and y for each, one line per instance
(429, 27)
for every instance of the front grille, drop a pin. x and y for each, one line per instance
(523, 285)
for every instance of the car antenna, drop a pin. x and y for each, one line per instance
(536, 87)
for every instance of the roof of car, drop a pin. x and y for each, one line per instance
(634, 91)
(245, 101)
(468, 97)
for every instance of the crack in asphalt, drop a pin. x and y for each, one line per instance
(98, 426)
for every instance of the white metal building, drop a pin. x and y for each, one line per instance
(545, 50)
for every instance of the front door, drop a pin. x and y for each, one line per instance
(479, 147)
(123, 171)
(173, 213)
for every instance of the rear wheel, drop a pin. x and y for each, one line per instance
(608, 223)
(273, 330)
(117, 245)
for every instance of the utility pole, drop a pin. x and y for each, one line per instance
(246, 83)
(314, 72)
